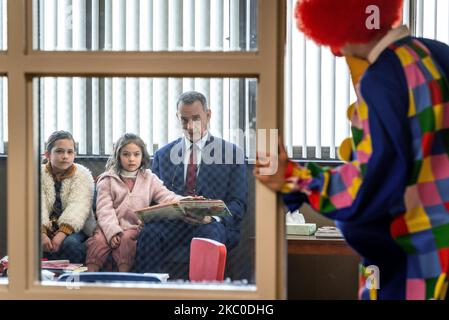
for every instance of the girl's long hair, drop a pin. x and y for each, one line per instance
(114, 160)
(55, 136)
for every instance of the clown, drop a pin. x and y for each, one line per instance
(391, 196)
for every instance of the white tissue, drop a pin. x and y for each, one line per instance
(47, 275)
(294, 218)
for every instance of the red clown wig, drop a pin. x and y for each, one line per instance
(335, 23)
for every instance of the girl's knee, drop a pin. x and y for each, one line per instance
(129, 236)
(71, 241)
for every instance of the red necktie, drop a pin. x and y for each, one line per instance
(191, 172)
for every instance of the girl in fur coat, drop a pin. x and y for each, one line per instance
(67, 192)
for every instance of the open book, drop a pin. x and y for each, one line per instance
(193, 208)
(328, 232)
(62, 266)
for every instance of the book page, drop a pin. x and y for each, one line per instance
(169, 211)
(188, 207)
(205, 208)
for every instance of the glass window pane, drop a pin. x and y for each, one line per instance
(145, 25)
(3, 181)
(98, 111)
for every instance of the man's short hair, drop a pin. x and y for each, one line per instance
(190, 97)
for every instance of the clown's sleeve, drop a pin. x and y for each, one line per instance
(325, 189)
(362, 189)
(343, 193)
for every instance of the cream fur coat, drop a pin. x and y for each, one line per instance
(76, 197)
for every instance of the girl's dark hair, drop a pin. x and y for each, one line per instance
(114, 159)
(55, 136)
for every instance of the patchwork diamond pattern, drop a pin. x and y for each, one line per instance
(424, 227)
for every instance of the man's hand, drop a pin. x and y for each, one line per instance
(208, 219)
(47, 246)
(194, 219)
(57, 240)
(140, 225)
(115, 241)
(194, 198)
(264, 161)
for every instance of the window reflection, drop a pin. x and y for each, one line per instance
(92, 184)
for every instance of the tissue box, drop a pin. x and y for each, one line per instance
(305, 229)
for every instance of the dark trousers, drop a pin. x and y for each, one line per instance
(72, 248)
(164, 247)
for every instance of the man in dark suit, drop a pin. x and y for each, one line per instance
(198, 164)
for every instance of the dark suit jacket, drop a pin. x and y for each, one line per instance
(224, 178)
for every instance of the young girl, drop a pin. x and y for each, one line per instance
(126, 186)
(67, 192)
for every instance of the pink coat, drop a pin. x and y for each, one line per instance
(116, 204)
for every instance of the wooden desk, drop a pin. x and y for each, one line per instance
(318, 246)
(321, 269)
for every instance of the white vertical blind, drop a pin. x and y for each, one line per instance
(175, 85)
(216, 105)
(429, 14)
(2, 28)
(49, 87)
(145, 84)
(420, 18)
(146, 112)
(3, 113)
(95, 102)
(132, 84)
(108, 113)
(288, 71)
(406, 13)
(174, 90)
(318, 120)
(303, 97)
(118, 84)
(234, 110)
(188, 34)
(332, 106)
(64, 85)
(234, 17)
(202, 25)
(317, 87)
(2, 116)
(226, 106)
(234, 97)
(79, 84)
(216, 30)
(175, 23)
(202, 40)
(160, 85)
(97, 111)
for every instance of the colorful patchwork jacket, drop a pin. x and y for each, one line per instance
(391, 196)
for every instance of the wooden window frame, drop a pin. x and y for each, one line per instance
(21, 64)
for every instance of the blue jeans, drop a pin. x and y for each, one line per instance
(72, 248)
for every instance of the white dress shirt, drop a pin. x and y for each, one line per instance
(200, 146)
